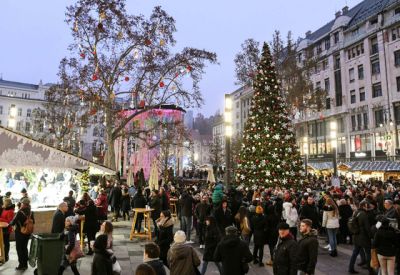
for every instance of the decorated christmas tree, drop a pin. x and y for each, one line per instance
(269, 155)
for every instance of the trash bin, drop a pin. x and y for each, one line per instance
(46, 251)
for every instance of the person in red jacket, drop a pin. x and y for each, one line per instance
(7, 215)
(102, 205)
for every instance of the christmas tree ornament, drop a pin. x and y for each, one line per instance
(162, 84)
(82, 55)
(162, 42)
(95, 77)
(126, 78)
(147, 42)
(142, 104)
(120, 35)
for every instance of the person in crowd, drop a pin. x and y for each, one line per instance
(58, 224)
(102, 205)
(144, 269)
(386, 242)
(233, 253)
(102, 260)
(285, 252)
(7, 215)
(390, 211)
(330, 221)
(345, 213)
(182, 258)
(244, 224)
(91, 225)
(187, 202)
(23, 219)
(217, 195)
(139, 201)
(24, 195)
(165, 234)
(202, 211)
(107, 229)
(125, 203)
(70, 200)
(223, 216)
(212, 238)
(69, 234)
(310, 211)
(164, 199)
(259, 223)
(362, 239)
(290, 215)
(307, 249)
(151, 256)
(155, 203)
(114, 199)
(272, 234)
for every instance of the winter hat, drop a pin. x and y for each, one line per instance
(23, 191)
(283, 226)
(259, 210)
(180, 236)
(26, 201)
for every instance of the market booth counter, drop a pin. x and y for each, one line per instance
(48, 174)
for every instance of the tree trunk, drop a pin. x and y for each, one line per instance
(109, 160)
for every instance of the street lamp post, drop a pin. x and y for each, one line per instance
(305, 151)
(333, 134)
(228, 135)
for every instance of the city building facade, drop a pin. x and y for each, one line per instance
(21, 106)
(359, 68)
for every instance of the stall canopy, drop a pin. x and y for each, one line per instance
(382, 166)
(18, 151)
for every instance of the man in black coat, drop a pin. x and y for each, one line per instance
(285, 252)
(362, 239)
(233, 253)
(71, 203)
(151, 257)
(202, 211)
(223, 216)
(307, 251)
(310, 211)
(186, 203)
(114, 200)
(59, 218)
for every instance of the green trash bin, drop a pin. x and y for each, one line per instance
(47, 251)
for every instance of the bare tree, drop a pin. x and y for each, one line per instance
(120, 60)
(246, 62)
(216, 154)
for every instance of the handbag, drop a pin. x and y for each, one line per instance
(116, 267)
(374, 259)
(76, 253)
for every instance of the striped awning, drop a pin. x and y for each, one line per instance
(320, 165)
(384, 166)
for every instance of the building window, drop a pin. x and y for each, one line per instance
(327, 43)
(353, 96)
(378, 117)
(318, 85)
(327, 85)
(351, 75)
(398, 83)
(397, 58)
(375, 67)
(376, 90)
(353, 122)
(319, 48)
(1, 110)
(395, 33)
(337, 62)
(28, 112)
(27, 127)
(362, 94)
(340, 123)
(360, 72)
(19, 111)
(328, 103)
(41, 127)
(397, 11)
(336, 38)
(18, 128)
(374, 46)
(373, 21)
(359, 121)
(365, 118)
(325, 64)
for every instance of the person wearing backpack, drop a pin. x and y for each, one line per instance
(359, 225)
(24, 222)
(291, 216)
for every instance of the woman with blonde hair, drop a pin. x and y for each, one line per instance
(330, 220)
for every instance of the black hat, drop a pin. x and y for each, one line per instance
(283, 226)
(231, 230)
(23, 190)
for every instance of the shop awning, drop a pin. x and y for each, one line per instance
(21, 152)
(383, 166)
(320, 165)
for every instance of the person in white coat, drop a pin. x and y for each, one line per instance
(330, 220)
(291, 216)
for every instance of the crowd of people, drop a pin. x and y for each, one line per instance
(232, 226)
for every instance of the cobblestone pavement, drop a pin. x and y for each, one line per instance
(130, 254)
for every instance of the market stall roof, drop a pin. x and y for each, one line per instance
(20, 151)
(384, 166)
(320, 165)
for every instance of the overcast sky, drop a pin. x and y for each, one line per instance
(34, 36)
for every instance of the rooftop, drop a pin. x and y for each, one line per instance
(21, 85)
